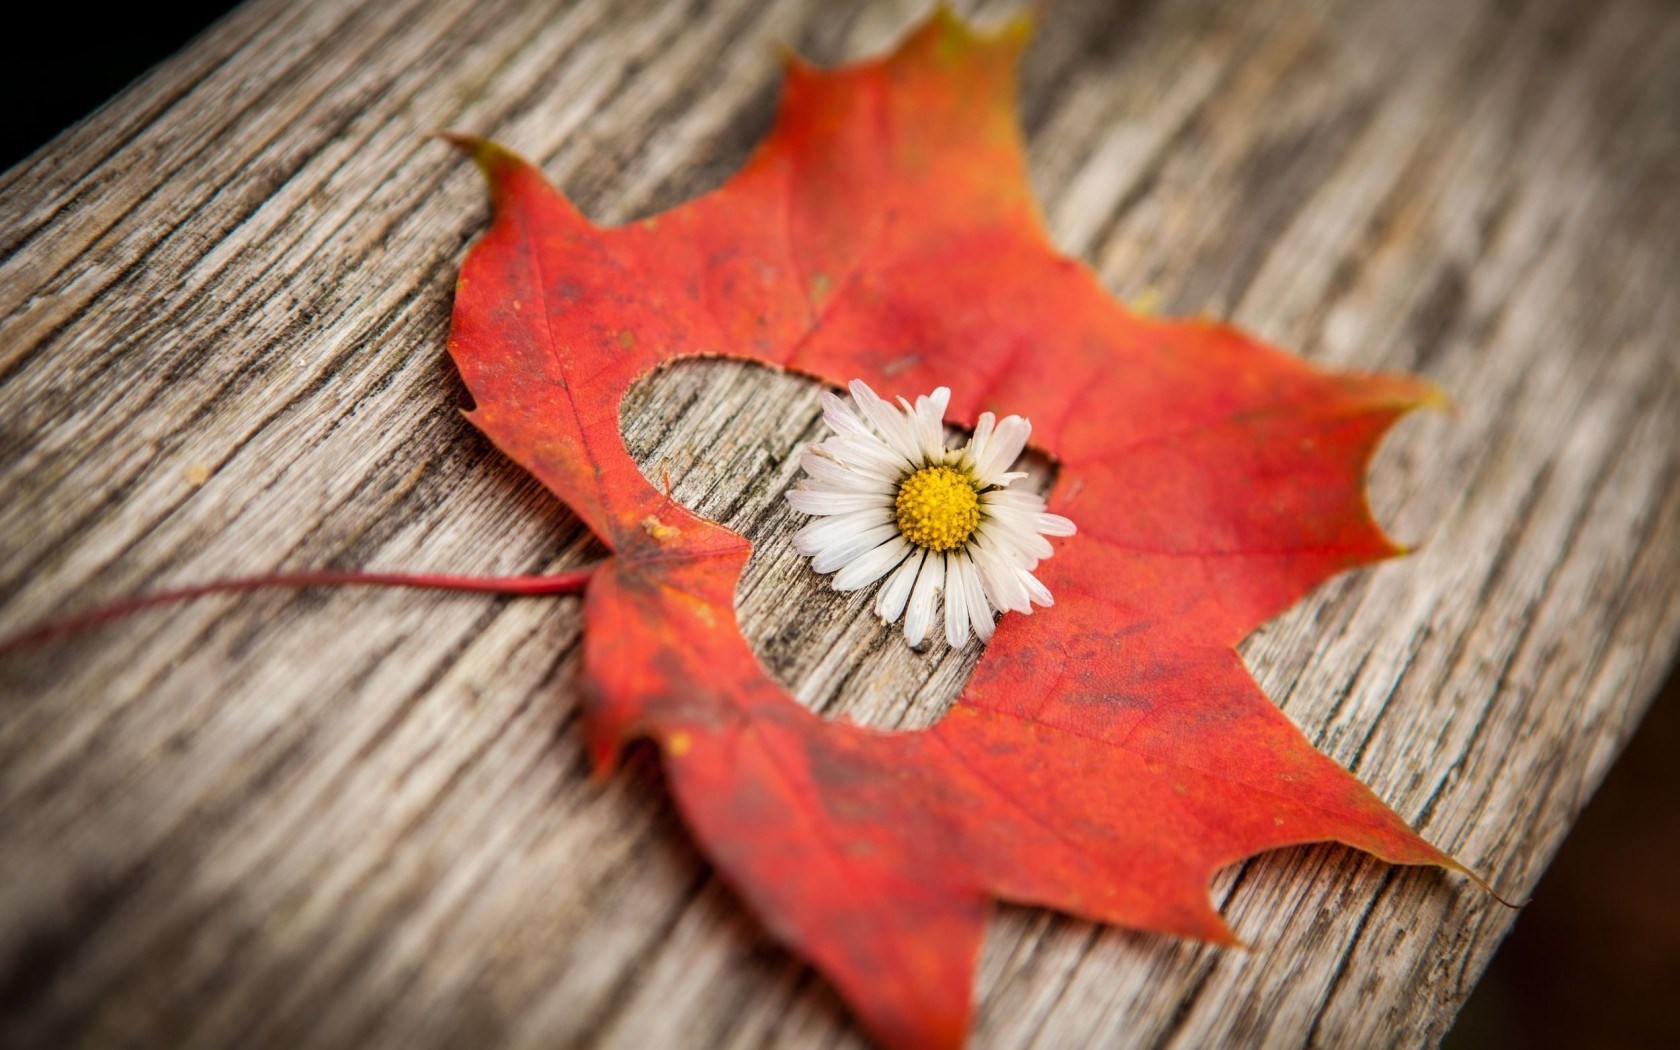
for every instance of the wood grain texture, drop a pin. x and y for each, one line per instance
(356, 818)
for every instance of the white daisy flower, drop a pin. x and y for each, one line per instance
(893, 501)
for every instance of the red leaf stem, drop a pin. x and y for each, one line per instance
(571, 582)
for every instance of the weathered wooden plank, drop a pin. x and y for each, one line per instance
(365, 818)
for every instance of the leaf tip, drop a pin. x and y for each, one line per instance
(1019, 28)
(1436, 398)
(468, 144)
(1408, 393)
(950, 34)
(1216, 933)
(494, 160)
(793, 63)
(1452, 864)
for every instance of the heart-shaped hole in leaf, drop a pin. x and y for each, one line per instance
(727, 436)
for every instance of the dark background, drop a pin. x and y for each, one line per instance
(73, 57)
(1594, 961)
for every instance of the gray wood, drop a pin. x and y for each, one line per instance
(364, 818)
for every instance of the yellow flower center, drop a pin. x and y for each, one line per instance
(938, 508)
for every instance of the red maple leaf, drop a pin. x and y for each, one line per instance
(1111, 753)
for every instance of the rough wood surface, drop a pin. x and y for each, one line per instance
(359, 818)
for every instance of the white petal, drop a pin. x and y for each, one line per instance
(980, 440)
(838, 528)
(865, 453)
(1015, 539)
(930, 423)
(890, 605)
(1016, 518)
(1003, 450)
(1013, 498)
(825, 468)
(839, 415)
(979, 609)
(859, 461)
(1003, 589)
(929, 582)
(872, 565)
(864, 447)
(811, 501)
(1055, 525)
(893, 425)
(858, 448)
(1040, 593)
(831, 558)
(956, 601)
